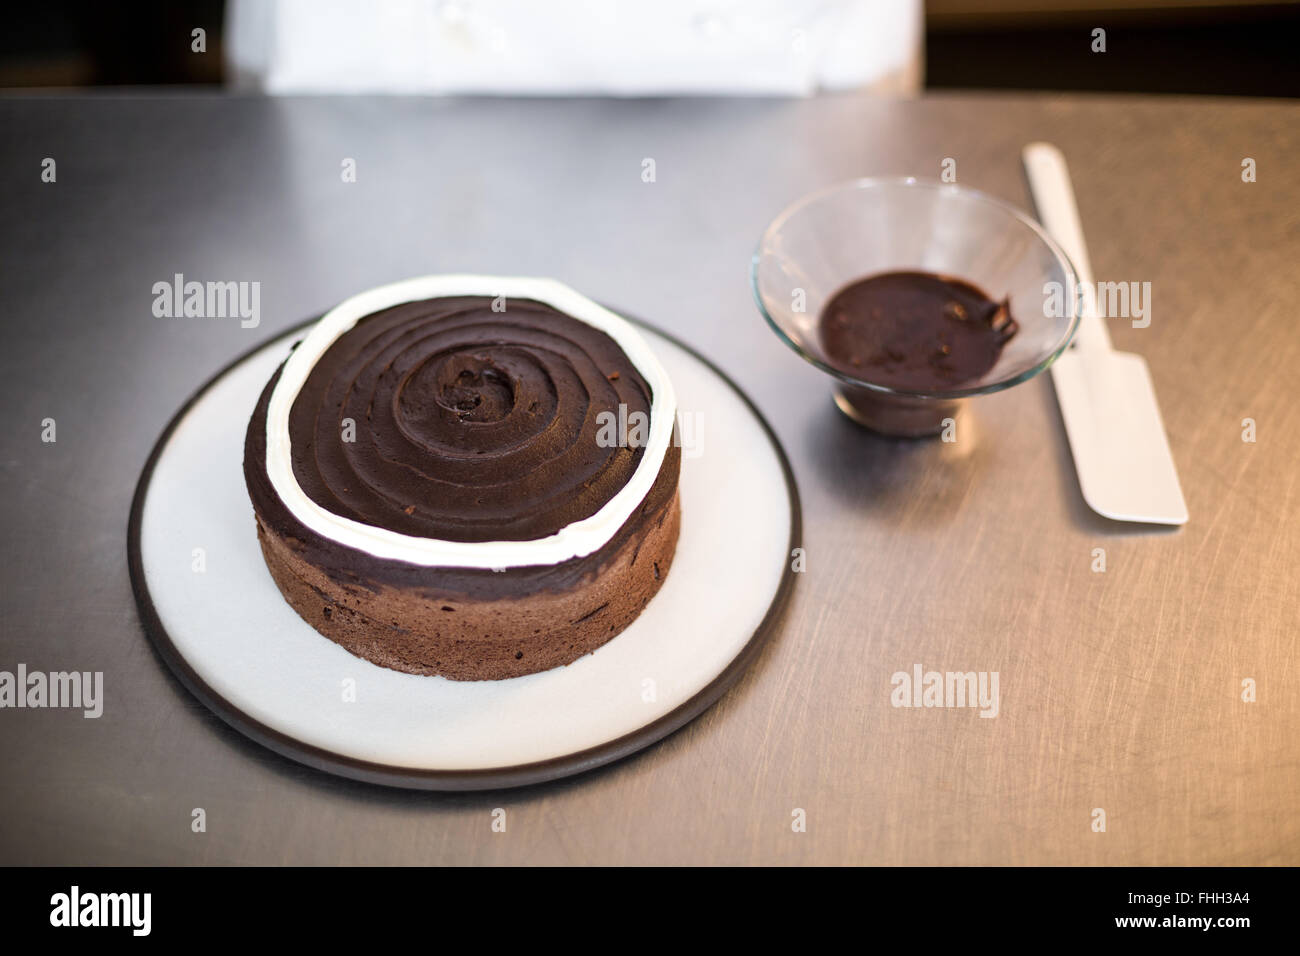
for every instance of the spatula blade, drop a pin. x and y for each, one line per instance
(1126, 470)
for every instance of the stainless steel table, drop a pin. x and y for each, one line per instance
(1120, 690)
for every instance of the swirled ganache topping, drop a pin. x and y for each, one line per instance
(445, 419)
(417, 423)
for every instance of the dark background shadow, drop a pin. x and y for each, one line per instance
(1153, 46)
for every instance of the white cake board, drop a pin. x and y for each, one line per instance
(233, 641)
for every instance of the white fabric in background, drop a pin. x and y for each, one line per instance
(561, 47)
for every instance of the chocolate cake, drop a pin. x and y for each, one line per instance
(467, 476)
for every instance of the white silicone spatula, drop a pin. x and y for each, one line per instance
(1126, 471)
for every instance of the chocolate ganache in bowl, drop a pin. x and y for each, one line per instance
(914, 296)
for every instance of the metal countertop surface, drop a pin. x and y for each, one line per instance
(1119, 690)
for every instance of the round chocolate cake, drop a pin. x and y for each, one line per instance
(467, 476)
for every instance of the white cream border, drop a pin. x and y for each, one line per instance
(575, 540)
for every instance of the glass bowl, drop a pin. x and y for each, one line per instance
(857, 229)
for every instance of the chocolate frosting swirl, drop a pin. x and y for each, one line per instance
(467, 424)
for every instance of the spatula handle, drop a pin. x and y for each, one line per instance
(1049, 184)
